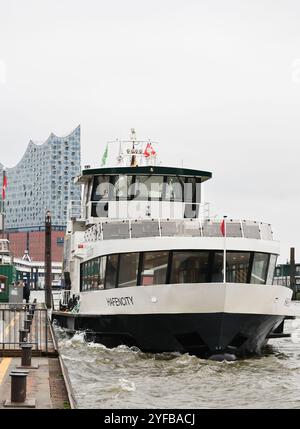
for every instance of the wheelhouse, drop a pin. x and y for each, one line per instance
(152, 191)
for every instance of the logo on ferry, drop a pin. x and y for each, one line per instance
(116, 302)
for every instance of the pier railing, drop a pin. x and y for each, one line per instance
(126, 229)
(23, 323)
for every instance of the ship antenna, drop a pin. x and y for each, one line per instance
(133, 139)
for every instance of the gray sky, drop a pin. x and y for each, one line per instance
(217, 83)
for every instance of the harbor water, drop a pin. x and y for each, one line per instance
(127, 378)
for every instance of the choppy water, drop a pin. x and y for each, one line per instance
(127, 378)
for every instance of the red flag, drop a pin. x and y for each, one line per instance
(222, 227)
(4, 186)
(149, 151)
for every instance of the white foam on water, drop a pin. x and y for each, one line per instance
(127, 385)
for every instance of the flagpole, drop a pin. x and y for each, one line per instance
(224, 258)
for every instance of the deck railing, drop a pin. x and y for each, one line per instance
(126, 229)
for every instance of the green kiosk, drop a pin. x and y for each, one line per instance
(8, 272)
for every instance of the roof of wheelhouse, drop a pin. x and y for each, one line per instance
(147, 170)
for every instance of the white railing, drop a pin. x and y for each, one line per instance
(128, 228)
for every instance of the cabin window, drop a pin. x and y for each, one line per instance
(128, 269)
(95, 268)
(111, 271)
(259, 268)
(237, 267)
(271, 269)
(93, 274)
(154, 268)
(217, 269)
(101, 276)
(189, 267)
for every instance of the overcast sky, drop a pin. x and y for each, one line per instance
(216, 83)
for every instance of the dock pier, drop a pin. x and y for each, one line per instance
(30, 359)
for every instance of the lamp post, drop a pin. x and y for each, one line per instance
(48, 261)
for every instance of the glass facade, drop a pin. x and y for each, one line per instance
(176, 267)
(43, 180)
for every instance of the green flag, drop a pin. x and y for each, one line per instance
(104, 157)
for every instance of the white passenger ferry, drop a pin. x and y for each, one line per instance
(144, 264)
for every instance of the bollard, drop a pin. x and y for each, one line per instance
(26, 354)
(18, 390)
(18, 386)
(23, 335)
(32, 308)
(26, 357)
(27, 324)
(29, 317)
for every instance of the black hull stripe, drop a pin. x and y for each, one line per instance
(201, 334)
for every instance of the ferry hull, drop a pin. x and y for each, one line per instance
(202, 334)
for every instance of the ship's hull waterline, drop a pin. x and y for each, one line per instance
(201, 319)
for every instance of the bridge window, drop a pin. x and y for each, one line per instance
(123, 187)
(174, 187)
(148, 187)
(154, 268)
(192, 190)
(189, 267)
(101, 188)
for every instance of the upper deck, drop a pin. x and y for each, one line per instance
(129, 229)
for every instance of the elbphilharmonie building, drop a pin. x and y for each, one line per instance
(42, 180)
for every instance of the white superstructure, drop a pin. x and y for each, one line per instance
(144, 263)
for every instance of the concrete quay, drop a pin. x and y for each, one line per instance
(42, 382)
(46, 387)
